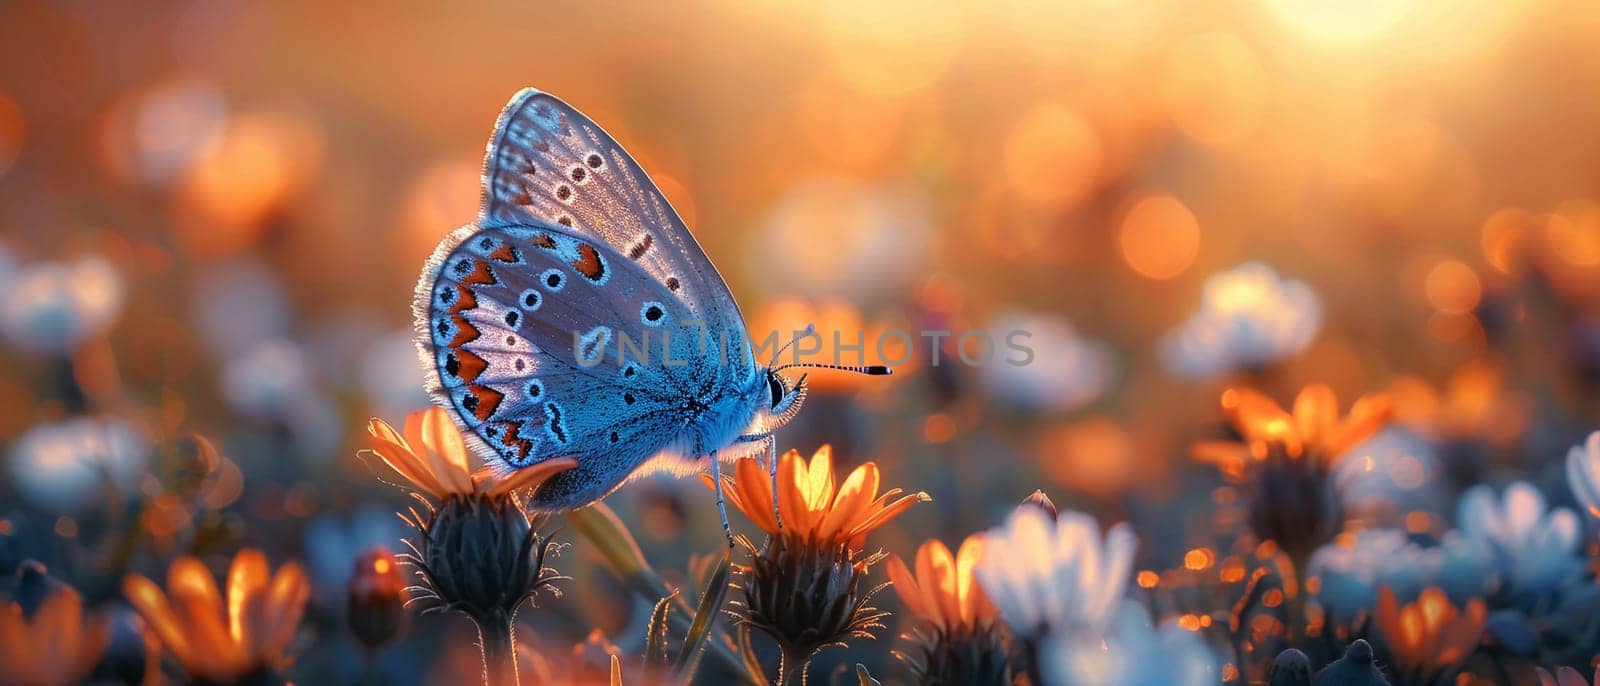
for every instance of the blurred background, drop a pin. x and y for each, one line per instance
(212, 215)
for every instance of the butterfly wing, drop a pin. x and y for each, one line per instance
(548, 162)
(520, 327)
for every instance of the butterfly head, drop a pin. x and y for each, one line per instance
(784, 399)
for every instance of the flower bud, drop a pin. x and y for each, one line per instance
(375, 599)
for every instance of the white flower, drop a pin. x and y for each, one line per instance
(236, 304)
(1583, 473)
(1391, 472)
(50, 308)
(1535, 548)
(1067, 371)
(1248, 317)
(1133, 653)
(1057, 575)
(839, 236)
(66, 465)
(268, 380)
(1351, 570)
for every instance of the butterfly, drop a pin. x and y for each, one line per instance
(530, 321)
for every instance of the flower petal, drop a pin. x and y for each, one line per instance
(905, 586)
(147, 598)
(752, 493)
(246, 579)
(408, 466)
(975, 606)
(853, 502)
(1367, 416)
(526, 478)
(1316, 413)
(941, 584)
(285, 603)
(446, 450)
(793, 507)
(196, 599)
(889, 512)
(818, 485)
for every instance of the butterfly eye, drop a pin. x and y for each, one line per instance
(776, 389)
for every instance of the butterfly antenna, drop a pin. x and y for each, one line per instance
(868, 369)
(810, 329)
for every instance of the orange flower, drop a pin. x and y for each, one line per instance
(1474, 403)
(55, 647)
(943, 590)
(813, 509)
(1429, 638)
(1314, 428)
(432, 455)
(220, 643)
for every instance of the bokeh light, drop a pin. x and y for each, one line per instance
(1159, 237)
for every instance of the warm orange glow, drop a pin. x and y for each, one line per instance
(11, 130)
(1272, 598)
(890, 47)
(1232, 570)
(1574, 234)
(1452, 286)
(259, 163)
(1198, 559)
(839, 329)
(938, 428)
(1053, 156)
(1504, 238)
(1095, 454)
(1159, 237)
(1148, 579)
(442, 194)
(1215, 88)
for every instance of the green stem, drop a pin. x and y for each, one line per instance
(497, 643)
(1299, 622)
(791, 668)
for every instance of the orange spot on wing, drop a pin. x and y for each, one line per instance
(465, 300)
(465, 332)
(544, 240)
(471, 365)
(505, 253)
(588, 263)
(488, 401)
(480, 274)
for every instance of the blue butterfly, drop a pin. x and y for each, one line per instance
(577, 317)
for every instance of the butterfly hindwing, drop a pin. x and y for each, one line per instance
(547, 162)
(524, 326)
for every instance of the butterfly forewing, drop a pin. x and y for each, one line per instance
(547, 162)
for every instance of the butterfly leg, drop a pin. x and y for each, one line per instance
(722, 507)
(772, 472)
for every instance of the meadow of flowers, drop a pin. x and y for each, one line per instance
(1310, 294)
